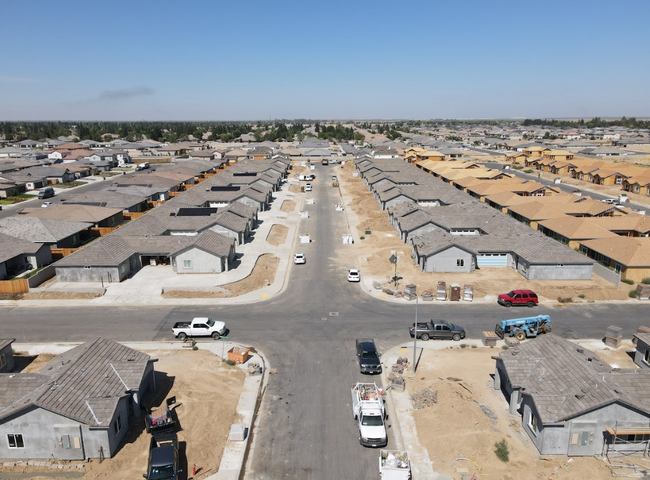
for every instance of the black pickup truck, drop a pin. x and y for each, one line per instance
(438, 329)
(163, 457)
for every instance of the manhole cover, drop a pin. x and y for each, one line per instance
(334, 314)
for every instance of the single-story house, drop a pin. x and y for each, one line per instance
(571, 401)
(6, 355)
(80, 405)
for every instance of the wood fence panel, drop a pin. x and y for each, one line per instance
(59, 253)
(132, 215)
(19, 285)
(101, 231)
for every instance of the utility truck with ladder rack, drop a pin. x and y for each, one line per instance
(368, 410)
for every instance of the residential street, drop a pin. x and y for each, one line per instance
(307, 333)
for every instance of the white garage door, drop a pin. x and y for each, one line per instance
(492, 260)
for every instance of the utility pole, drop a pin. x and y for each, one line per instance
(415, 332)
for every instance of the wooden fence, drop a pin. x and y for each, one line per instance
(132, 215)
(59, 253)
(101, 231)
(19, 285)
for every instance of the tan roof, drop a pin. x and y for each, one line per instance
(628, 251)
(577, 228)
(639, 179)
(558, 152)
(632, 221)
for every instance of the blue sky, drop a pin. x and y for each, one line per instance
(249, 60)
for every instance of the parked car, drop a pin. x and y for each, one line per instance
(353, 275)
(46, 204)
(299, 258)
(610, 201)
(367, 356)
(308, 187)
(518, 297)
(439, 329)
(46, 192)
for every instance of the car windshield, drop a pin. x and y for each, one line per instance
(161, 473)
(511, 294)
(210, 322)
(374, 421)
(368, 354)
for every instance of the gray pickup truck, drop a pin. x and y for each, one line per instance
(438, 329)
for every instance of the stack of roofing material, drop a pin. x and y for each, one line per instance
(613, 336)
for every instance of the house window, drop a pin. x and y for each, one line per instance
(617, 267)
(646, 356)
(3, 361)
(460, 262)
(15, 440)
(117, 424)
(532, 423)
(187, 263)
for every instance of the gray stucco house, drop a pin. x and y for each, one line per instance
(6, 355)
(571, 401)
(642, 353)
(79, 405)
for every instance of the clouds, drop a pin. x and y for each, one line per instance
(125, 93)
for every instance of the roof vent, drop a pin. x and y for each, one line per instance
(580, 350)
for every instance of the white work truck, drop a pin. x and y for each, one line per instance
(199, 327)
(368, 410)
(394, 465)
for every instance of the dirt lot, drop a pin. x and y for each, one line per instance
(207, 391)
(470, 417)
(288, 206)
(375, 249)
(262, 275)
(277, 235)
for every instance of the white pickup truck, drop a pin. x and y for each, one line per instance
(199, 327)
(368, 410)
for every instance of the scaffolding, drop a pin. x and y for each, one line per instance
(624, 456)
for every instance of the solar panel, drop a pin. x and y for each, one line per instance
(228, 188)
(196, 212)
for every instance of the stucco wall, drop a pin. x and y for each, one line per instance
(42, 431)
(639, 355)
(92, 274)
(201, 262)
(555, 272)
(446, 261)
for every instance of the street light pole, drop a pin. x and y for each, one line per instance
(415, 332)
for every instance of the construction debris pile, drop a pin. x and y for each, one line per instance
(424, 398)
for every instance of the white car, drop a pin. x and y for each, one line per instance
(308, 187)
(353, 275)
(299, 258)
(46, 204)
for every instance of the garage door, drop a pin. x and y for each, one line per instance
(494, 260)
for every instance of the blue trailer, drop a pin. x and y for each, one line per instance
(526, 327)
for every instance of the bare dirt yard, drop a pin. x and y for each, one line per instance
(376, 248)
(262, 275)
(469, 417)
(207, 391)
(277, 235)
(288, 206)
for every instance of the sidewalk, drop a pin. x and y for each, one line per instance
(146, 287)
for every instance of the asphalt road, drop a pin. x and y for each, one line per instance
(306, 429)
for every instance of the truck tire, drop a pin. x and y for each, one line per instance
(520, 335)
(216, 335)
(424, 337)
(456, 337)
(530, 304)
(182, 336)
(508, 304)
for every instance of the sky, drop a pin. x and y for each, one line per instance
(354, 59)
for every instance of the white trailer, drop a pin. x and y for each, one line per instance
(368, 410)
(394, 465)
